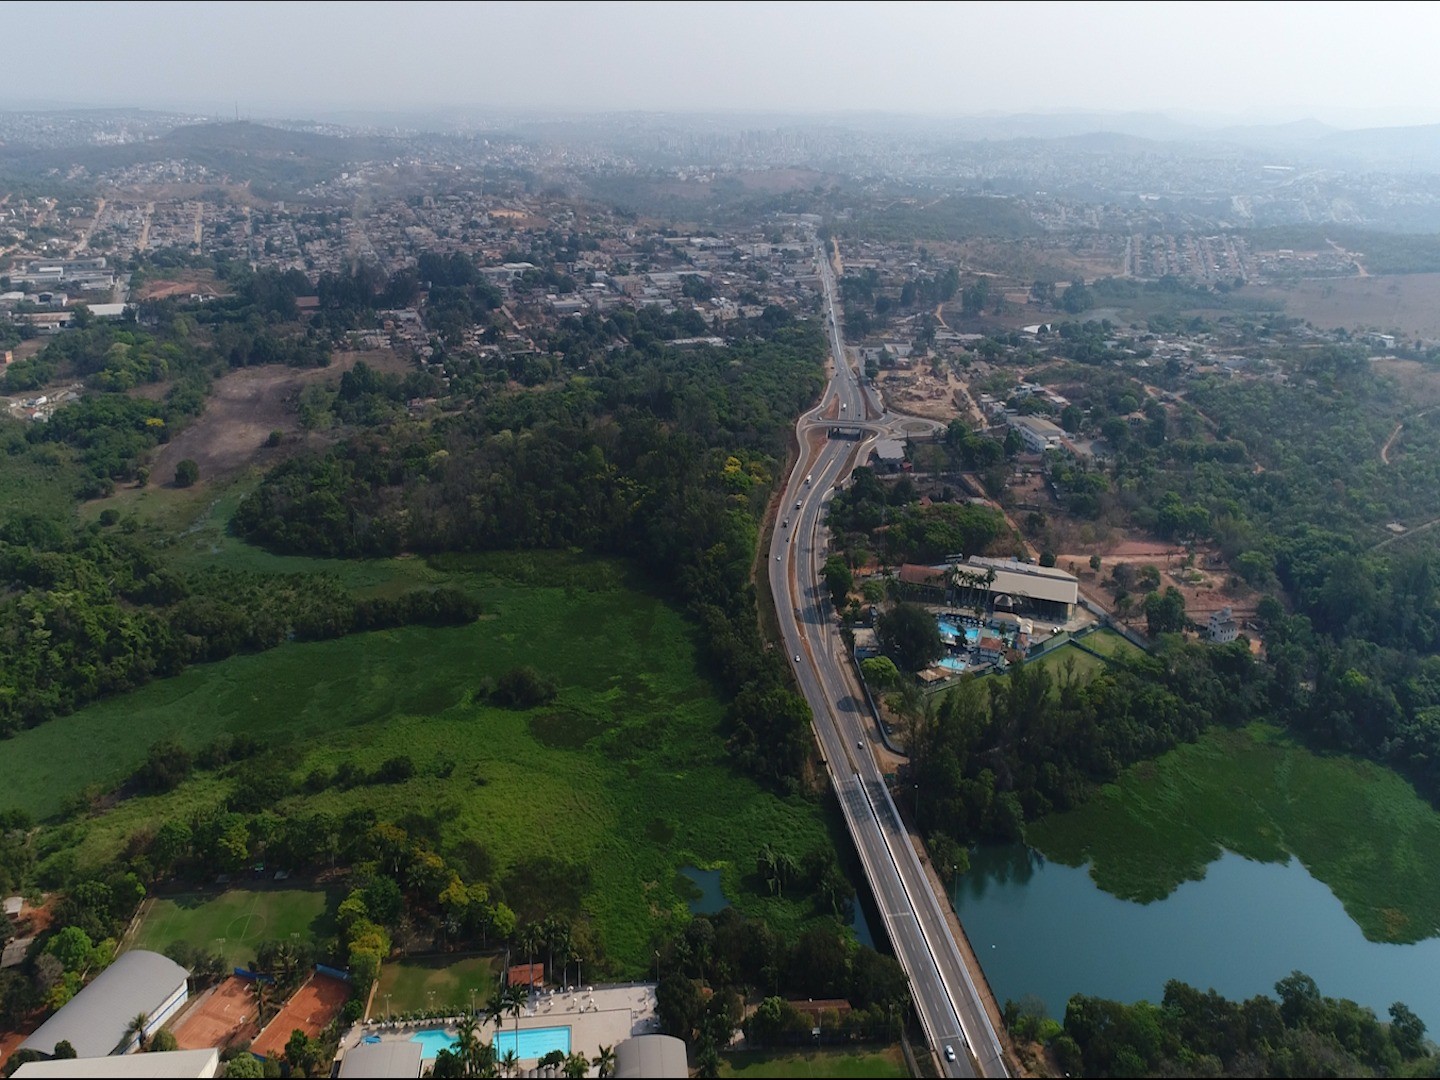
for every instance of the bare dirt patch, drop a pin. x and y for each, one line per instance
(200, 283)
(1419, 383)
(918, 392)
(1403, 302)
(246, 406)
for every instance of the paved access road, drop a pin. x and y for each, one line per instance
(948, 1004)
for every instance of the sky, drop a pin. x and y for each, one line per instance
(1349, 64)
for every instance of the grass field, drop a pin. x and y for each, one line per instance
(1259, 794)
(1057, 660)
(856, 1063)
(236, 921)
(414, 984)
(625, 774)
(1109, 643)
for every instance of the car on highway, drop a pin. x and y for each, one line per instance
(785, 524)
(859, 744)
(949, 1053)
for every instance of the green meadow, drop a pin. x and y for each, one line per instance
(625, 773)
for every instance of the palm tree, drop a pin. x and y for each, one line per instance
(605, 1061)
(136, 1029)
(576, 1065)
(515, 998)
(510, 1063)
(531, 938)
(467, 1043)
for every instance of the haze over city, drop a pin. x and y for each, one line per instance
(1348, 65)
(725, 539)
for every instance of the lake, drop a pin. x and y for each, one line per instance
(1046, 929)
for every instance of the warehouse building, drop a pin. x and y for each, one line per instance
(96, 1021)
(1018, 587)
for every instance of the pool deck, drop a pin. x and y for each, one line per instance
(596, 1016)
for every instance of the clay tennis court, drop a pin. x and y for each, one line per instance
(226, 1015)
(312, 1007)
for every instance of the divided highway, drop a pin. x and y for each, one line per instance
(945, 997)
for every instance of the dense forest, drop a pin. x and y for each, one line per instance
(1299, 1032)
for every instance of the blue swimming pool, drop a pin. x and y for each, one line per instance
(432, 1041)
(533, 1043)
(954, 663)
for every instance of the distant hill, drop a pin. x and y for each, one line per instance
(274, 159)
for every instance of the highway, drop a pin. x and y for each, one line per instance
(945, 997)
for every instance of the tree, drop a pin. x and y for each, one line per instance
(163, 1041)
(1165, 612)
(64, 1051)
(135, 1030)
(838, 579)
(880, 672)
(576, 1065)
(247, 1066)
(1407, 1031)
(186, 473)
(605, 1060)
(72, 947)
(910, 636)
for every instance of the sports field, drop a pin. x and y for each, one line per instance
(310, 1009)
(1109, 643)
(416, 984)
(234, 922)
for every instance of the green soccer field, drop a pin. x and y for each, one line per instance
(235, 922)
(414, 984)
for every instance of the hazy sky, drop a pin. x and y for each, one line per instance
(1343, 62)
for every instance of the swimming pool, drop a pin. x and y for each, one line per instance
(534, 1043)
(951, 632)
(432, 1041)
(954, 663)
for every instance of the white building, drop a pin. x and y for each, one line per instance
(96, 1021)
(1037, 433)
(1223, 629)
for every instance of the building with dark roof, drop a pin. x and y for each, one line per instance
(96, 1021)
(651, 1055)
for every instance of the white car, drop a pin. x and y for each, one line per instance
(797, 658)
(949, 1053)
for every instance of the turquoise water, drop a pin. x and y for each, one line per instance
(1046, 929)
(533, 1043)
(432, 1041)
(949, 632)
(954, 663)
